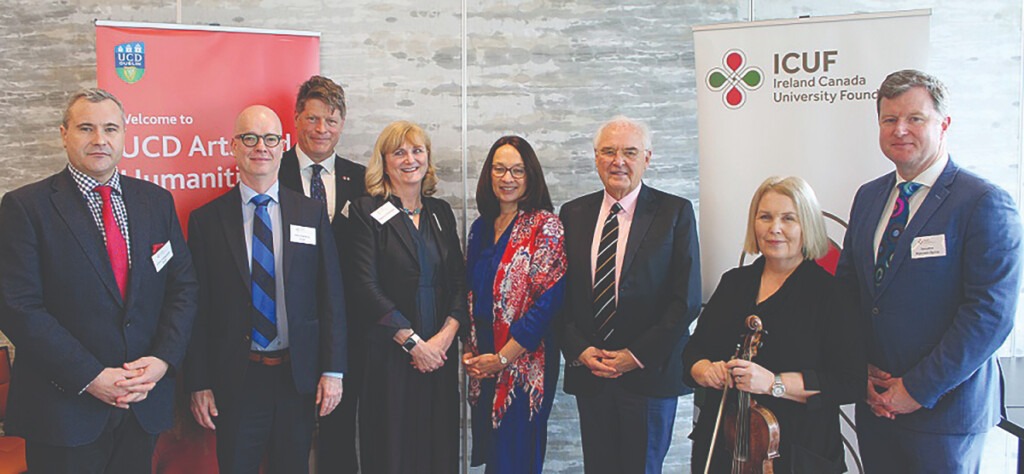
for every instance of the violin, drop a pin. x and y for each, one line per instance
(751, 430)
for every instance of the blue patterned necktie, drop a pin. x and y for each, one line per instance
(604, 274)
(264, 320)
(316, 185)
(894, 229)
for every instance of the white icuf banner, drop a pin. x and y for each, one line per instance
(792, 97)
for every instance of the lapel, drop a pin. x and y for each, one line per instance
(590, 208)
(139, 211)
(643, 216)
(229, 208)
(75, 213)
(401, 230)
(936, 196)
(343, 184)
(435, 223)
(873, 214)
(291, 209)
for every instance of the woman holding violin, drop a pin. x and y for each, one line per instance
(805, 358)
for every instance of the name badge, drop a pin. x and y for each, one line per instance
(303, 235)
(344, 209)
(385, 212)
(928, 246)
(162, 256)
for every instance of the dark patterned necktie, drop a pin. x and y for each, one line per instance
(604, 274)
(894, 229)
(264, 321)
(316, 185)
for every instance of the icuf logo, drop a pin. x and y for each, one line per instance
(130, 61)
(734, 79)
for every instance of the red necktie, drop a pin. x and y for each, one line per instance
(117, 248)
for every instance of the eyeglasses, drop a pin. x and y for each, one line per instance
(251, 139)
(499, 172)
(612, 153)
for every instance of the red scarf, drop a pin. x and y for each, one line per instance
(534, 261)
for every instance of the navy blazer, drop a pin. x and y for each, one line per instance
(659, 292)
(218, 355)
(937, 322)
(60, 305)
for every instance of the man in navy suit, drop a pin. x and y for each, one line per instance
(633, 288)
(934, 254)
(313, 168)
(269, 341)
(98, 293)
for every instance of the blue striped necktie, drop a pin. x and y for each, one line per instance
(604, 274)
(894, 229)
(316, 185)
(264, 318)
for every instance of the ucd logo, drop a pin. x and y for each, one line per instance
(734, 79)
(130, 61)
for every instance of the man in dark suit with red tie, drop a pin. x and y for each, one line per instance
(269, 344)
(98, 293)
(633, 288)
(313, 168)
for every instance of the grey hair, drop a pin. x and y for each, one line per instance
(620, 120)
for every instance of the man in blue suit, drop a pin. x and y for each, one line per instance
(934, 254)
(98, 293)
(269, 340)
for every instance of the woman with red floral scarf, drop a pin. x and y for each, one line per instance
(515, 263)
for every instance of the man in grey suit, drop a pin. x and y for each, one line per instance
(934, 254)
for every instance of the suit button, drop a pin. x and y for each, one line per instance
(245, 338)
(874, 311)
(127, 324)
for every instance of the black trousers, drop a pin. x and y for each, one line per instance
(270, 418)
(336, 451)
(122, 447)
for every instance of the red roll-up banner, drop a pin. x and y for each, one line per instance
(182, 87)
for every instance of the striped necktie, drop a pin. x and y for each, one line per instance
(316, 185)
(604, 274)
(264, 320)
(894, 229)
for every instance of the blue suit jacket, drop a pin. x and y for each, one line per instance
(218, 354)
(60, 305)
(937, 322)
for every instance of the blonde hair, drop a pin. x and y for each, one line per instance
(808, 214)
(390, 139)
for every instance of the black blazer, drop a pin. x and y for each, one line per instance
(387, 267)
(60, 304)
(221, 340)
(349, 184)
(659, 292)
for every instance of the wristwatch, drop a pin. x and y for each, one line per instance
(502, 359)
(778, 389)
(411, 342)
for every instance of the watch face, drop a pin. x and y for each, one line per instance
(778, 390)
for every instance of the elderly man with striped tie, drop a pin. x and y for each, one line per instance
(269, 343)
(633, 288)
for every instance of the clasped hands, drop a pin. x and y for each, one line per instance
(483, 366)
(743, 374)
(608, 364)
(887, 396)
(130, 383)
